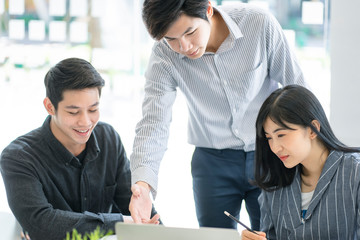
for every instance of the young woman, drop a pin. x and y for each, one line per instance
(310, 180)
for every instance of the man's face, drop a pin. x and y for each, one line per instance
(74, 120)
(189, 36)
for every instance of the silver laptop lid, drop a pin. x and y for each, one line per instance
(159, 232)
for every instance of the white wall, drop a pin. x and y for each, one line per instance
(345, 70)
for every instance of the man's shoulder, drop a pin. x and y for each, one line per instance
(245, 11)
(243, 8)
(105, 129)
(24, 144)
(103, 126)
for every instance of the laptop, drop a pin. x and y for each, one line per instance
(125, 231)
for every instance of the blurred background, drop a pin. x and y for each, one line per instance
(36, 34)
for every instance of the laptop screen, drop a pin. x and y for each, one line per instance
(159, 232)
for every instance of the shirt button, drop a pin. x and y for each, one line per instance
(234, 110)
(236, 131)
(225, 83)
(85, 198)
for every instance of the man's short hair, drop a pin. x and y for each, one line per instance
(71, 74)
(159, 15)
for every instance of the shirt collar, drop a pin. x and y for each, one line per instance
(234, 29)
(59, 149)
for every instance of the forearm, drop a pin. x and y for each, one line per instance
(57, 223)
(149, 148)
(40, 218)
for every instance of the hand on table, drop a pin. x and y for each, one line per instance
(247, 235)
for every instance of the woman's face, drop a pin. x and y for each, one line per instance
(292, 146)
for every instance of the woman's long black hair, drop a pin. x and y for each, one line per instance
(296, 105)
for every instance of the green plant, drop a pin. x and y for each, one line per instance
(95, 235)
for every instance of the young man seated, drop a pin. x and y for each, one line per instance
(72, 172)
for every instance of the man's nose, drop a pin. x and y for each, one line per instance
(84, 119)
(185, 45)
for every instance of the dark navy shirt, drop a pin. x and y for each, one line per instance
(51, 192)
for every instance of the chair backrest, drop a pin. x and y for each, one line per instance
(9, 227)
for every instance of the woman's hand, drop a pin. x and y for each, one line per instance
(247, 235)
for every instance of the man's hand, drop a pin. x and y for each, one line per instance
(140, 203)
(153, 220)
(24, 236)
(246, 235)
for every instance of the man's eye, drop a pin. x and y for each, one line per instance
(73, 113)
(94, 110)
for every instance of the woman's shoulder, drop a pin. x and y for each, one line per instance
(353, 157)
(350, 162)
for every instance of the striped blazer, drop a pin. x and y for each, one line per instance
(333, 212)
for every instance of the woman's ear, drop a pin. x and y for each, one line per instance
(49, 106)
(316, 124)
(210, 11)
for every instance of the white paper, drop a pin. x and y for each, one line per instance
(17, 7)
(17, 29)
(57, 31)
(37, 30)
(78, 8)
(98, 8)
(312, 13)
(2, 8)
(57, 7)
(78, 32)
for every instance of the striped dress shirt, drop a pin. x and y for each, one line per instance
(223, 90)
(333, 212)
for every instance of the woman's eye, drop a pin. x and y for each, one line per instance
(192, 32)
(281, 135)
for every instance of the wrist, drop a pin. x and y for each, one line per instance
(144, 185)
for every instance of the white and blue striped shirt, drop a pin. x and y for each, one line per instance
(333, 212)
(224, 90)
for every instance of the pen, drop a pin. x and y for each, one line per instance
(238, 221)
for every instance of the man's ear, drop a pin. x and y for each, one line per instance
(49, 106)
(210, 11)
(316, 124)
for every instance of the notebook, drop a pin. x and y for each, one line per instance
(126, 231)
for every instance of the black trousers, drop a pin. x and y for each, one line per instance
(221, 183)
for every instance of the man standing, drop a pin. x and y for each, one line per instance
(226, 61)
